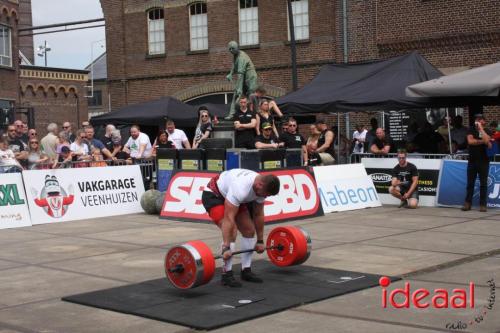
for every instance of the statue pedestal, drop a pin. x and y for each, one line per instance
(224, 130)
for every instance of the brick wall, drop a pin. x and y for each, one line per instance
(9, 82)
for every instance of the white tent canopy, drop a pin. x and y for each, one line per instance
(480, 81)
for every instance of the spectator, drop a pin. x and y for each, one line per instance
(35, 156)
(8, 162)
(49, 142)
(117, 151)
(25, 128)
(63, 141)
(106, 140)
(293, 139)
(67, 128)
(64, 158)
(381, 145)
(284, 126)
(478, 163)
(21, 134)
(95, 143)
(256, 98)
(459, 135)
(444, 129)
(138, 144)
(162, 141)
(267, 139)
(371, 134)
(244, 124)
(428, 141)
(342, 145)
(16, 145)
(358, 139)
(312, 140)
(32, 133)
(80, 149)
(203, 129)
(404, 183)
(325, 148)
(264, 116)
(177, 136)
(97, 158)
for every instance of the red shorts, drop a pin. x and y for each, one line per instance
(214, 205)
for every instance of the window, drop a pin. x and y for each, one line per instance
(300, 10)
(156, 31)
(249, 22)
(198, 26)
(5, 46)
(97, 99)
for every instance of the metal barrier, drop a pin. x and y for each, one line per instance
(356, 157)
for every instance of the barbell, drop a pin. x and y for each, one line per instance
(192, 264)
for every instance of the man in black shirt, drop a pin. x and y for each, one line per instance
(382, 144)
(267, 139)
(292, 139)
(16, 145)
(478, 141)
(244, 125)
(404, 183)
(325, 143)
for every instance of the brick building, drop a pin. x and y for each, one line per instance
(179, 47)
(9, 59)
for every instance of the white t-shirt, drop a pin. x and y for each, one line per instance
(236, 186)
(361, 137)
(81, 149)
(178, 137)
(134, 145)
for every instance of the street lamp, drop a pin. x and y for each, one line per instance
(42, 51)
(91, 87)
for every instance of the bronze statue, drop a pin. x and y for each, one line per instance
(247, 76)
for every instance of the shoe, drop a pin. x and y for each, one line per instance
(229, 280)
(482, 209)
(404, 203)
(466, 207)
(247, 275)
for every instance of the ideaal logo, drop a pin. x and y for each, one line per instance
(9, 195)
(459, 298)
(53, 198)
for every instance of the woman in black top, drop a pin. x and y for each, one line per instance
(162, 142)
(265, 116)
(204, 128)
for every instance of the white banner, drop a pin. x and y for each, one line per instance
(13, 204)
(345, 187)
(81, 193)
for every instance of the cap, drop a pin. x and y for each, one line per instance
(478, 116)
(266, 126)
(65, 149)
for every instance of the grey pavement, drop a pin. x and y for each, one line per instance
(429, 247)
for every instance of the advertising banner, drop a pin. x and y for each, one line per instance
(81, 193)
(453, 182)
(345, 187)
(298, 196)
(380, 169)
(13, 204)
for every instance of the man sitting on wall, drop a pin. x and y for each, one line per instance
(404, 184)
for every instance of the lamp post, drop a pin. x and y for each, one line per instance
(92, 66)
(42, 51)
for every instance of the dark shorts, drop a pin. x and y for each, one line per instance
(404, 189)
(214, 205)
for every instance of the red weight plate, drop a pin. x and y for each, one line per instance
(207, 260)
(291, 252)
(308, 246)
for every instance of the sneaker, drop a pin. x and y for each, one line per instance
(403, 203)
(229, 280)
(466, 207)
(247, 275)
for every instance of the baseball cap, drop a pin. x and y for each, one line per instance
(266, 126)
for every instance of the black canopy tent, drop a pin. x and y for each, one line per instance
(367, 86)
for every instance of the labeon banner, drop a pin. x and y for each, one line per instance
(13, 206)
(81, 193)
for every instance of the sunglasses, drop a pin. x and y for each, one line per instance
(204, 116)
(292, 125)
(65, 127)
(19, 125)
(33, 133)
(32, 142)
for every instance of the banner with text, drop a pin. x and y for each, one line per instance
(298, 196)
(345, 187)
(380, 169)
(13, 204)
(453, 183)
(82, 193)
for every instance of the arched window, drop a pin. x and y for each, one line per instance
(156, 31)
(300, 10)
(198, 26)
(249, 22)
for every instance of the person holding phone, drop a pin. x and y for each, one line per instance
(478, 141)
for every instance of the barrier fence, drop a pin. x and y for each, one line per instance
(356, 157)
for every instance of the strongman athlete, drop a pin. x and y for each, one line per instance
(234, 200)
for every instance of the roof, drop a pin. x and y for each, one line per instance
(99, 67)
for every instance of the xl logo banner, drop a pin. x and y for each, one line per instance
(13, 204)
(453, 181)
(82, 193)
(297, 198)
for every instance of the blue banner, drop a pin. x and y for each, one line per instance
(453, 182)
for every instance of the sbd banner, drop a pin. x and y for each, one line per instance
(453, 182)
(298, 196)
(82, 193)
